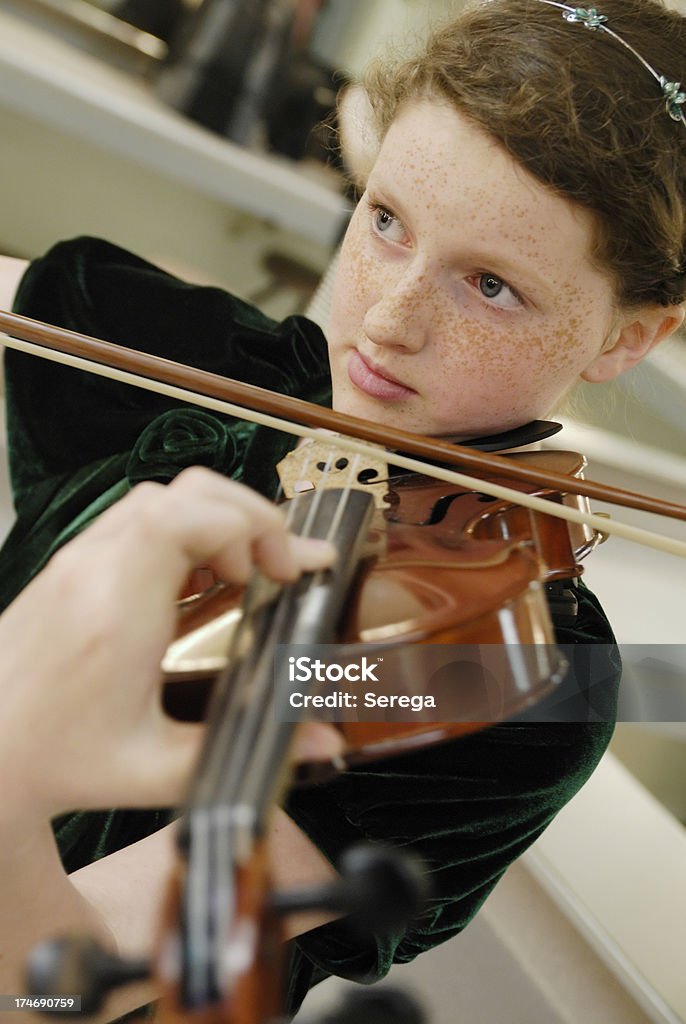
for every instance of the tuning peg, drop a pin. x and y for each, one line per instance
(380, 888)
(78, 965)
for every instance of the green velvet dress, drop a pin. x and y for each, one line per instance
(78, 443)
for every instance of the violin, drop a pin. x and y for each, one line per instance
(547, 487)
(442, 569)
(421, 565)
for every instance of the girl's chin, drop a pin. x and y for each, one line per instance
(352, 403)
(406, 415)
(388, 417)
(404, 419)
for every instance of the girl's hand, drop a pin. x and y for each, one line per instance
(81, 725)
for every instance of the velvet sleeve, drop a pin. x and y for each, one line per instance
(468, 808)
(61, 419)
(78, 442)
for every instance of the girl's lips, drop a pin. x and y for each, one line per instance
(372, 383)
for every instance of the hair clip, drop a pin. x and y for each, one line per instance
(589, 18)
(674, 100)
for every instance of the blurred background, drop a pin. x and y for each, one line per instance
(201, 135)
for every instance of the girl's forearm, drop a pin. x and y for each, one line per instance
(38, 900)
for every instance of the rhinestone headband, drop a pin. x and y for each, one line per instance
(588, 17)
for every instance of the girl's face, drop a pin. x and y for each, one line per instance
(466, 301)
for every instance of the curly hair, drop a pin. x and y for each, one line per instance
(577, 110)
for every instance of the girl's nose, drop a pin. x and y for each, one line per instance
(400, 318)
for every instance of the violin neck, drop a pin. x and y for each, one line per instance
(243, 766)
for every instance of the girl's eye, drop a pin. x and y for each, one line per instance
(498, 292)
(387, 224)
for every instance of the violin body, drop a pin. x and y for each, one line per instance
(448, 585)
(446, 570)
(561, 544)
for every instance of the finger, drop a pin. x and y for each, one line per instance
(200, 518)
(283, 556)
(231, 527)
(262, 523)
(162, 533)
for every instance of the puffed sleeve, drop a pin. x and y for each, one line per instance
(78, 442)
(60, 419)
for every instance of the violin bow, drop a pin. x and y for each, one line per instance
(246, 401)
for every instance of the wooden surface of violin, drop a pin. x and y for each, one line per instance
(444, 567)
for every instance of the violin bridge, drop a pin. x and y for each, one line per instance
(321, 465)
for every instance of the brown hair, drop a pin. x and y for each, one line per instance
(580, 113)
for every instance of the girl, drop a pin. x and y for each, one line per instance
(522, 227)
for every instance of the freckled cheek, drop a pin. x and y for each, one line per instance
(559, 355)
(464, 344)
(511, 372)
(539, 366)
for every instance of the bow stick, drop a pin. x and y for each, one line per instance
(212, 391)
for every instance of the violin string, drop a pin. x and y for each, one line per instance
(227, 705)
(216, 774)
(205, 936)
(221, 855)
(264, 645)
(259, 776)
(264, 743)
(195, 917)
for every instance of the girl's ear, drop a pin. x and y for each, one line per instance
(633, 339)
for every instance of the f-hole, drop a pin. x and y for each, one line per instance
(441, 507)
